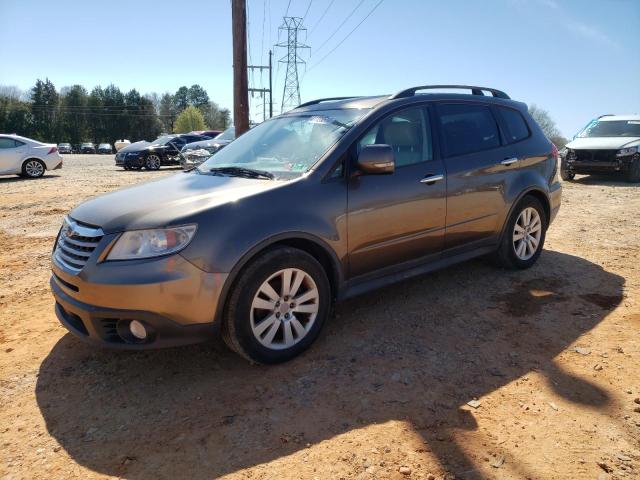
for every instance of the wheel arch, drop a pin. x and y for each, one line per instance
(33, 157)
(539, 195)
(310, 244)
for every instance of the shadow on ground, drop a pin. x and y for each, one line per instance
(417, 351)
(16, 178)
(612, 180)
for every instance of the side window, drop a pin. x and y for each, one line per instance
(516, 126)
(407, 131)
(467, 128)
(7, 143)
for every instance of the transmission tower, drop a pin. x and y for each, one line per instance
(291, 94)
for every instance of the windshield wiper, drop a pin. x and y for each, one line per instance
(243, 172)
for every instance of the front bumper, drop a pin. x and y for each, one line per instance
(174, 300)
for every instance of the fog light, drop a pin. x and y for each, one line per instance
(138, 330)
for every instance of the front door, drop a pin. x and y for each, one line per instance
(397, 217)
(11, 152)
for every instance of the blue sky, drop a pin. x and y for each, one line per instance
(576, 58)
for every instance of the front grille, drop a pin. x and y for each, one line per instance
(595, 155)
(76, 243)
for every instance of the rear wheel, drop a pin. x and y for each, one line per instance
(277, 307)
(524, 235)
(33, 168)
(152, 162)
(633, 170)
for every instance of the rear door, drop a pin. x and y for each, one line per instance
(397, 217)
(478, 169)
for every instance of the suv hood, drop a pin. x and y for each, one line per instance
(170, 201)
(603, 143)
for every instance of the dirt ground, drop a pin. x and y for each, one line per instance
(552, 356)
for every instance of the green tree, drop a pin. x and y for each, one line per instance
(73, 114)
(190, 119)
(167, 112)
(44, 107)
(198, 97)
(181, 99)
(95, 119)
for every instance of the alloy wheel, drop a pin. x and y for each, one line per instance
(284, 308)
(527, 232)
(34, 168)
(153, 162)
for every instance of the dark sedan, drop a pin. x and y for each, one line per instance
(162, 151)
(87, 147)
(105, 148)
(193, 154)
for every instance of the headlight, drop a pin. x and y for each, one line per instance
(627, 151)
(138, 244)
(571, 155)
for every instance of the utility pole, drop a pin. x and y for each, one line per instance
(240, 76)
(291, 94)
(263, 91)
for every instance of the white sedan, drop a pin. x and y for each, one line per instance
(26, 157)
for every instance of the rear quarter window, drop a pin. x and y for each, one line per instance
(467, 128)
(515, 124)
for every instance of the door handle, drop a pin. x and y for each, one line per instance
(509, 161)
(431, 179)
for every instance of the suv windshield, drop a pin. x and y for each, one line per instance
(286, 146)
(612, 128)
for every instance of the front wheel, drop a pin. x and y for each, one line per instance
(633, 170)
(152, 162)
(524, 235)
(567, 175)
(277, 307)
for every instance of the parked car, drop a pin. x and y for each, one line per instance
(26, 157)
(193, 154)
(105, 148)
(87, 147)
(164, 150)
(207, 133)
(64, 148)
(608, 144)
(120, 144)
(327, 201)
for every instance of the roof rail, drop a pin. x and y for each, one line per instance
(410, 92)
(320, 100)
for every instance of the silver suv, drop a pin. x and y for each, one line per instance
(610, 143)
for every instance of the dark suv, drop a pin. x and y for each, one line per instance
(332, 199)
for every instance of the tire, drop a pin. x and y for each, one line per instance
(33, 168)
(152, 162)
(567, 175)
(510, 253)
(633, 170)
(243, 327)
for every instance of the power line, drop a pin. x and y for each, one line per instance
(340, 26)
(321, 17)
(345, 38)
(287, 11)
(307, 11)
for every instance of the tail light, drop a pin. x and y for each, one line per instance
(52, 150)
(554, 151)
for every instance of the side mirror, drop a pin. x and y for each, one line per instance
(376, 160)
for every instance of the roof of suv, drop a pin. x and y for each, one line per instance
(372, 101)
(612, 118)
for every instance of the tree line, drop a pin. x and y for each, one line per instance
(76, 115)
